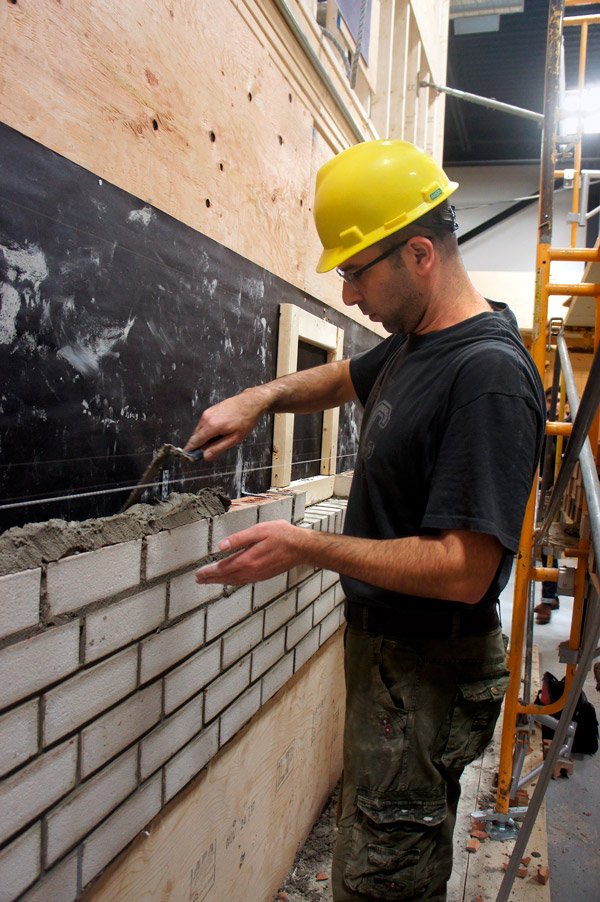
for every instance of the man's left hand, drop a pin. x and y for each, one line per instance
(260, 552)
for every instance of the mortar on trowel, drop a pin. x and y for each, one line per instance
(158, 461)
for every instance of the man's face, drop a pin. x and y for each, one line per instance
(386, 292)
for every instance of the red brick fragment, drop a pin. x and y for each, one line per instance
(479, 834)
(543, 875)
(522, 873)
(473, 845)
(321, 877)
(526, 860)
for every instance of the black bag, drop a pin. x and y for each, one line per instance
(586, 735)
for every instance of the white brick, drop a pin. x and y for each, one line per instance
(298, 627)
(298, 573)
(32, 665)
(299, 506)
(191, 760)
(268, 589)
(223, 691)
(239, 713)
(19, 601)
(308, 591)
(90, 804)
(34, 788)
(105, 737)
(330, 578)
(186, 594)
(239, 641)
(168, 738)
(60, 883)
(233, 521)
(171, 645)
(277, 677)
(342, 484)
(82, 578)
(279, 612)
(323, 605)
(175, 548)
(278, 509)
(340, 595)
(18, 736)
(267, 654)
(118, 624)
(227, 611)
(312, 522)
(88, 693)
(121, 827)
(306, 648)
(20, 864)
(329, 625)
(185, 681)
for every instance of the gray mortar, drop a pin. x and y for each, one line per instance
(25, 547)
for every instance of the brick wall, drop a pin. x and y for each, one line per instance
(120, 679)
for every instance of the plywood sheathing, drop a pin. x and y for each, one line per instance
(235, 830)
(204, 110)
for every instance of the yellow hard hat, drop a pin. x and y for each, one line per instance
(370, 191)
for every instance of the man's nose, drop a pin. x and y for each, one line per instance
(350, 293)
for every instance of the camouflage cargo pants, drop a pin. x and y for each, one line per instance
(417, 712)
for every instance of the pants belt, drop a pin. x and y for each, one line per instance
(385, 621)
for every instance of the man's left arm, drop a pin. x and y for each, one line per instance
(456, 565)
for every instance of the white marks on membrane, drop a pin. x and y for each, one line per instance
(85, 354)
(144, 216)
(262, 330)
(26, 270)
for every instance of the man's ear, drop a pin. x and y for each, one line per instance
(423, 253)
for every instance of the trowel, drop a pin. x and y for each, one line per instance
(158, 461)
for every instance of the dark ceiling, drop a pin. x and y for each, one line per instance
(509, 65)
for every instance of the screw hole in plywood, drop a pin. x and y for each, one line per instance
(155, 125)
(221, 167)
(212, 136)
(207, 202)
(290, 98)
(250, 96)
(280, 139)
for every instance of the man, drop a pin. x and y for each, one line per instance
(452, 429)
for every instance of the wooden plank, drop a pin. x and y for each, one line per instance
(331, 419)
(234, 832)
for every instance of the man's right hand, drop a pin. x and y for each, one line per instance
(226, 424)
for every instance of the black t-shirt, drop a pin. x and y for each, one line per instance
(451, 436)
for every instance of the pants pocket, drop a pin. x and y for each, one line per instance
(392, 851)
(473, 718)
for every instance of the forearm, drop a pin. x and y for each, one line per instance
(306, 391)
(425, 566)
(227, 423)
(456, 565)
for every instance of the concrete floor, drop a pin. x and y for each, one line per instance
(573, 804)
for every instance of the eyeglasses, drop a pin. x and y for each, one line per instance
(350, 277)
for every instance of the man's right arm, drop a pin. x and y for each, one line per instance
(227, 423)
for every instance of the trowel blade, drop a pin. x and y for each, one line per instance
(163, 453)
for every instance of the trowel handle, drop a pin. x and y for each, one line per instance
(197, 454)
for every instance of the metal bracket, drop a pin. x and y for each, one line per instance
(566, 580)
(568, 655)
(555, 325)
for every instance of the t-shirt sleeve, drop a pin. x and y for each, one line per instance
(484, 468)
(366, 366)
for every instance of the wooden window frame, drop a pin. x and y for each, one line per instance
(297, 325)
